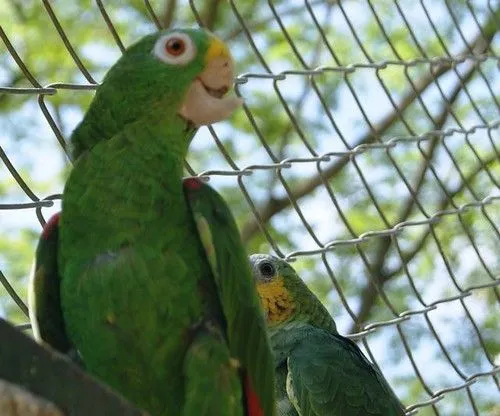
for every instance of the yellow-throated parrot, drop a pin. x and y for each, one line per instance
(144, 274)
(318, 371)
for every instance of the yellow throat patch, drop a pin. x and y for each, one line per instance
(276, 300)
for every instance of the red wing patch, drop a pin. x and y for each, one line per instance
(252, 401)
(192, 184)
(50, 226)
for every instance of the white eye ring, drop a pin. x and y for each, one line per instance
(183, 57)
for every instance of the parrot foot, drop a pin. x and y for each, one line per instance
(234, 362)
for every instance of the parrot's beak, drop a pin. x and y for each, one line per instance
(205, 102)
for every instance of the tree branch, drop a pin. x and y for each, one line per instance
(369, 293)
(276, 205)
(410, 254)
(52, 376)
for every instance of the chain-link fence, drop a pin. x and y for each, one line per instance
(367, 151)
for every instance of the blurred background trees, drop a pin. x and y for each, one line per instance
(367, 151)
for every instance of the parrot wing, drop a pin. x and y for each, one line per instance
(246, 327)
(283, 403)
(44, 292)
(329, 375)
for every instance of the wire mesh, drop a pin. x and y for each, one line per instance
(381, 243)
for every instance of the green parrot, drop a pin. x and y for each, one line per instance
(318, 371)
(143, 274)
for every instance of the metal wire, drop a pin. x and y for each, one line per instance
(414, 214)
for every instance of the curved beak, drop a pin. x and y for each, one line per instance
(205, 102)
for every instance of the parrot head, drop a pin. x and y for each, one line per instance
(182, 73)
(275, 279)
(284, 296)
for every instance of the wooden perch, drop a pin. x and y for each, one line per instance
(15, 401)
(53, 377)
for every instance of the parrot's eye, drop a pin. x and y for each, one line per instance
(267, 269)
(175, 48)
